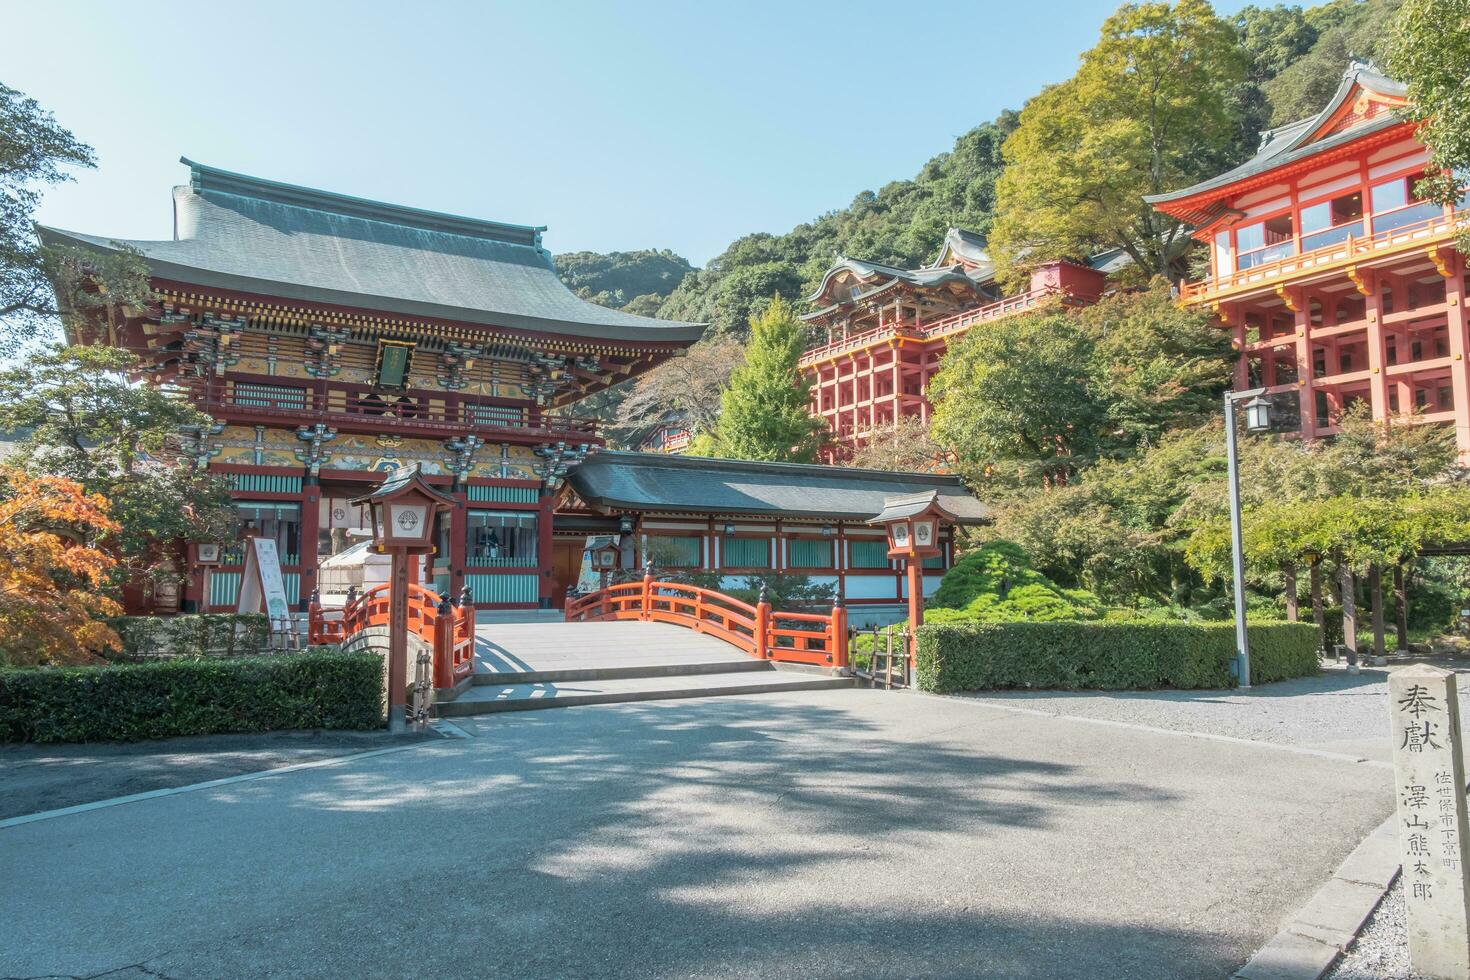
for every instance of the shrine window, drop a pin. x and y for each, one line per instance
(745, 552)
(501, 539)
(868, 554)
(1399, 203)
(279, 522)
(809, 553)
(1264, 241)
(677, 551)
(1332, 221)
(1223, 265)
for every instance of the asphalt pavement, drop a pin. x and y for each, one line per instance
(829, 833)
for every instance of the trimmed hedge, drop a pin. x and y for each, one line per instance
(1106, 655)
(191, 635)
(328, 689)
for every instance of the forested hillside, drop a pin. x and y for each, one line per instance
(1296, 60)
(636, 281)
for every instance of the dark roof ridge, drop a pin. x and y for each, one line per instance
(206, 179)
(724, 463)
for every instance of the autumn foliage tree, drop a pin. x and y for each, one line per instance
(51, 575)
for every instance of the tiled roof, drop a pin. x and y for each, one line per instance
(258, 236)
(693, 484)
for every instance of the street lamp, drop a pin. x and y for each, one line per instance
(1257, 419)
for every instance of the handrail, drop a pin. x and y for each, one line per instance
(944, 327)
(812, 638)
(447, 628)
(1345, 252)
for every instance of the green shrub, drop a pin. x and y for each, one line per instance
(205, 635)
(995, 583)
(191, 697)
(1105, 655)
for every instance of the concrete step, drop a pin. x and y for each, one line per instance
(487, 699)
(621, 672)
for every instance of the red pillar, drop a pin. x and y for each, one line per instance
(916, 606)
(1458, 322)
(544, 580)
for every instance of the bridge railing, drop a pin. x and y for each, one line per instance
(809, 638)
(447, 628)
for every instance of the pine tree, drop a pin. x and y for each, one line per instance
(764, 413)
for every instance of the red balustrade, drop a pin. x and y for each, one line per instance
(810, 638)
(449, 630)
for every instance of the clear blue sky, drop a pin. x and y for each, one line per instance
(618, 125)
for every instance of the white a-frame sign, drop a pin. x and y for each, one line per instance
(262, 587)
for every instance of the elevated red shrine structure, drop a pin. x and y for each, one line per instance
(886, 329)
(1338, 282)
(333, 339)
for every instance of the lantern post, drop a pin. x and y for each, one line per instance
(913, 523)
(403, 509)
(602, 554)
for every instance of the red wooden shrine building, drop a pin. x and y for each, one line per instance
(885, 329)
(333, 340)
(1339, 283)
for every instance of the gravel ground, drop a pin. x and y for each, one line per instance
(1333, 709)
(1381, 951)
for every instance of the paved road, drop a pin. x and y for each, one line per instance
(836, 833)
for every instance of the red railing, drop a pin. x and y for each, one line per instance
(249, 400)
(448, 629)
(932, 330)
(810, 638)
(1353, 249)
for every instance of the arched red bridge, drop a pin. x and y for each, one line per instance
(448, 628)
(805, 638)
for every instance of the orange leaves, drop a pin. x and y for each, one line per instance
(51, 576)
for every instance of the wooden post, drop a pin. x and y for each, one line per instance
(398, 642)
(1317, 616)
(838, 627)
(1349, 585)
(645, 613)
(1375, 593)
(1429, 783)
(762, 625)
(916, 607)
(1401, 609)
(1289, 575)
(444, 644)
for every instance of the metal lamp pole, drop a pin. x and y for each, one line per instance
(1257, 420)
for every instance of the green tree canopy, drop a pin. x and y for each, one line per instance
(1149, 110)
(764, 413)
(1430, 52)
(84, 420)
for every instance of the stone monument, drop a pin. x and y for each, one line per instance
(1429, 783)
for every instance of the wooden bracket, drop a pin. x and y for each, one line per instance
(1357, 278)
(1439, 261)
(1286, 298)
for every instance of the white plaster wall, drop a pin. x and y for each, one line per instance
(870, 587)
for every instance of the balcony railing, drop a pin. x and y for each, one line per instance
(366, 408)
(932, 330)
(1350, 250)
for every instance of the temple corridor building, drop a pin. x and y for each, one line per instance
(886, 329)
(1337, 280)
(332, 339)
